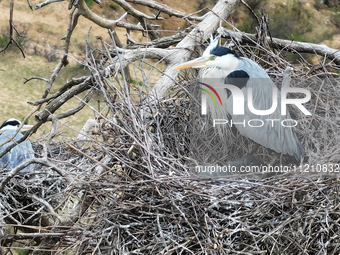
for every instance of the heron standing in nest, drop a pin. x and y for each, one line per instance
(222, 65)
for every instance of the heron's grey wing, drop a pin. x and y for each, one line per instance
(22, 152)
(269, 130)
(18, 154)
(271, 134)
(4, 161)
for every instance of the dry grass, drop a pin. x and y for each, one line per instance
(14, 96)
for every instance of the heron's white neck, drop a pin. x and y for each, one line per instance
(9, 128)
(228, 63)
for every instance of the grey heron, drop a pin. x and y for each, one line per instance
(224, 65)
(20, 152)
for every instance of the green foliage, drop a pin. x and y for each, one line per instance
(327, 35)
(248, 25)
(134, 82)
(256, 4)
(309, 14)
(22, 252)
(335, 16)
(205, 3)
(290, 22)
(114, 7)
(89, 3)
(3, 40)
(20, 40)
(296, 7)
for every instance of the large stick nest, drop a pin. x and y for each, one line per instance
(130, 190)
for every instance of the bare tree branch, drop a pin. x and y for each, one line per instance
(204, 29)
(288, 45)
(68, 85)
(132, 11)
(72, 25)
(30, 5)
(75, 109)
(163, 42)
(143, 18)
(11, 28)
(56, 103)
(129, 26)
(35, 78)
(133, 55)
(38, 6)
(165, 9)
(104, 23)
(51, 80)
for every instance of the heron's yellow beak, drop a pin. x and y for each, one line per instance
(196, 63)
(26, 127)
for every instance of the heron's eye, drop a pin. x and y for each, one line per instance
(213, 57)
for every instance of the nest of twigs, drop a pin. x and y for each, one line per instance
(131, 191)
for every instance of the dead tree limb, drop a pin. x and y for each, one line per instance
(165, 9)
(163, 42)
(75, 109)
(55, 104)
(38, 6)
(288, 45)
(67, 86)
(138, 14)
(141, 17)
(204, 29)
(11, 29)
